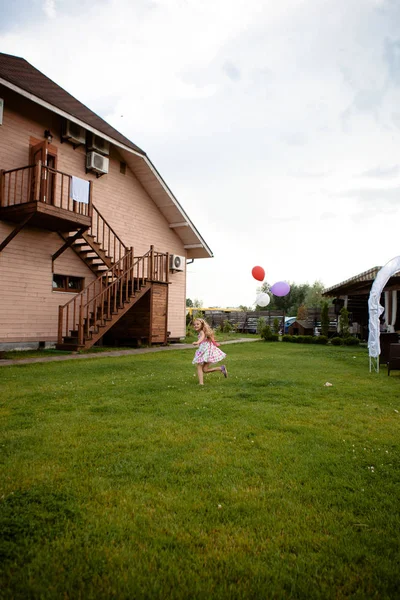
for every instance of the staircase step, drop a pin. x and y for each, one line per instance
(69, 347)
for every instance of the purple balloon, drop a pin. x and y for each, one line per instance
(280, 288)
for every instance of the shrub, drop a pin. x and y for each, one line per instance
(226, 326)
(261, 323)
(307, 339)
(344, 325)
(190, 331)
(336, 341)
(268, 336)
(287, 338)
(321, 339)
(274, 337)
(325, 319)
(351, 341)
(276, 325)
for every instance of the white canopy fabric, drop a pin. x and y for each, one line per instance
(374, 306)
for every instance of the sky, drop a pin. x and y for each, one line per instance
(275, 124)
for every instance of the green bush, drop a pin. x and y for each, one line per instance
(325, 319)
(268, 336)
(287, 338)
(307, 339)
(351, 341)
(321, 339)
(226, 326)
(276, 325)
(261, 324)
(336, 341)
(274, 337)
(190, 331)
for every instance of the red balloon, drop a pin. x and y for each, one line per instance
(258, 273)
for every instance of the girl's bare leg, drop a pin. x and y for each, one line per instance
(200, 367)
(207, 369)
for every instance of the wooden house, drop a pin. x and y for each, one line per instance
(353, 294)
(93, 243)
(300, 327)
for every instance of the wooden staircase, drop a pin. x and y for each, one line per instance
(99, 246)
(90, 314)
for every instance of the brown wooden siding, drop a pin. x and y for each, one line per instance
(26, 262)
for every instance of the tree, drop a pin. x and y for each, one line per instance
(189, 303)
(302, 313)
(344, 326)
(313, 297)
(325, 319)
(288, 304)
(276, 325)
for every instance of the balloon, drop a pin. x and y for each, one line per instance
(263, 299)
(258, 273)
(280, 288)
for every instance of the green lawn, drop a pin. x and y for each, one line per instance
(49, 352)
(122, 478)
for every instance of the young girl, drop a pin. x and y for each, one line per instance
(207, 351)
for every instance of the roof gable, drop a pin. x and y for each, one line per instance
(29, 81)
(22, 74)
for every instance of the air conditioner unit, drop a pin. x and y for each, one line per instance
(97, 162)
(96, 143)
(74, 133)
(177, 263)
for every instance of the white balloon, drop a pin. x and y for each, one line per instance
(263, 299)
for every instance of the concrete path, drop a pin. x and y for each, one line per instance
(44, 359)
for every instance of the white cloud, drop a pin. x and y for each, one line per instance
(49, 8)
(275, 124)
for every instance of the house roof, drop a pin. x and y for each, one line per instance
(19, 75)
(22, 74)
(304, 324)
(360, 284)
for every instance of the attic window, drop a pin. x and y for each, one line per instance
(122, 168)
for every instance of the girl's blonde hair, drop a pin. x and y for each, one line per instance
(208, 332)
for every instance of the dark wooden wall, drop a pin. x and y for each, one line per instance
(159, 310)
(144, 323)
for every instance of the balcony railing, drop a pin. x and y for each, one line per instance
(39, 183)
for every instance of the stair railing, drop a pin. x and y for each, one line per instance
(104, 235)
(104, 296)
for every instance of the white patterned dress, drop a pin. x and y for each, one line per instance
(208, 352)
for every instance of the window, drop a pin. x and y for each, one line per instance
(67, 283)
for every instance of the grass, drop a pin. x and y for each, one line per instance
(49, 352)
(122, 478)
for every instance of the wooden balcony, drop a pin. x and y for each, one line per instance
(42, 195)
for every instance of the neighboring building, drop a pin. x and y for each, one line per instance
(116, 253)
(300, 327)
(354, 294)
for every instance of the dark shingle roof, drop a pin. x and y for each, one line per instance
(22, 74)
